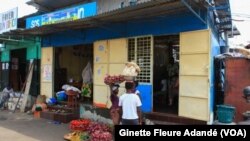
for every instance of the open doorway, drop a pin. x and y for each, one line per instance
(18, 67)
(69, 64)
(166, 74)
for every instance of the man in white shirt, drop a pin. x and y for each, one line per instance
(130, 106)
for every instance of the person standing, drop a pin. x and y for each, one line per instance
(130, 106)
(114, 109)
(173, 82)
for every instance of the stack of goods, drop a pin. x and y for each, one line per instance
(99, 132)
(241, 52)
(87, 130)
(79, 125)
(13, 100)
(130, 71)
(99, 135)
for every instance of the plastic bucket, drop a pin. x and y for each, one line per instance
(225, 113)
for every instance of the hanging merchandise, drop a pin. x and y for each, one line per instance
(87, 81)
(87, 74)
(86, 90)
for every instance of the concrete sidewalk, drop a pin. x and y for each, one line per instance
(23, 127)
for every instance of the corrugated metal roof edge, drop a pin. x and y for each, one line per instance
(138, 4)
(92, 20)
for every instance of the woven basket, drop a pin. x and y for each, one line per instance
(129, 78)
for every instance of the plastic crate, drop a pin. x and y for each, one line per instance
(225, 113)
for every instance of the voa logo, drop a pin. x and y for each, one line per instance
(35, 23)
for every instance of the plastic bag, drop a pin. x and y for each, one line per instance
(87, 74)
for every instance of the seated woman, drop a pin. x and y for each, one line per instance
(40, 104)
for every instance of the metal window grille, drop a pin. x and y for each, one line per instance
(131, 49)
(140, 51)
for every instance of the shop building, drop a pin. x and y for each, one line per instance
(17, 53)
(153, 33)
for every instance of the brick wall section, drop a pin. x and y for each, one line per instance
(237, 76)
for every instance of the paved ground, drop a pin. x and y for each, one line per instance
(23, 127)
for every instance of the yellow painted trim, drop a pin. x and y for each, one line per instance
(47, 58)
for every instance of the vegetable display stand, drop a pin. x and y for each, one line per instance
(64, 117)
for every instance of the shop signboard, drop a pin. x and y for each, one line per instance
(69, 14)
(8, 20)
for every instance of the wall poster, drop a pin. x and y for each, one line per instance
(47, 73)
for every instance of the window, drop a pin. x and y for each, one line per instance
(140, 51)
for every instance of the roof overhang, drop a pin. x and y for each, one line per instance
(144, 10)
(223, 13)
(17, 39)
(149, 9)
(233, 32)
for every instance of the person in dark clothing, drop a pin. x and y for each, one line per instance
(114, 109)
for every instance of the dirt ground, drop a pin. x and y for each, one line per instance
(24, 127)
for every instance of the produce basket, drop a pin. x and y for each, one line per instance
(77, 136)
(129, 78)
(111, 80)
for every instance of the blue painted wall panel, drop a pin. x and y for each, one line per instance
(146, 97)
(165, 26)
(156, 26)
(82, 36)
(215, 50)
